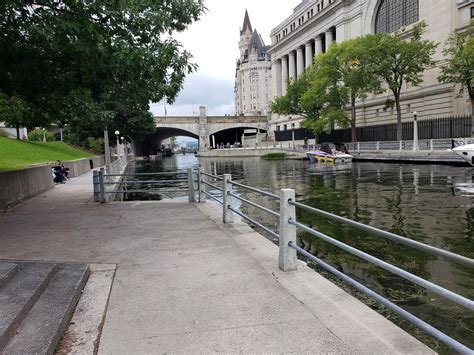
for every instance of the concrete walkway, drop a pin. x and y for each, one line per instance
(185, 283)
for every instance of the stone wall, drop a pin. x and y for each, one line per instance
(19, 185)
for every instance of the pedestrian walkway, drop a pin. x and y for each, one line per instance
(186, 283)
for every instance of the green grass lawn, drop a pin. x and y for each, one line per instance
(15, 154)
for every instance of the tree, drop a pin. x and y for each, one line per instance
(14, 112)
(397, 61)
(119, 53)
(300, 99)
(459, 68)
(342, 77)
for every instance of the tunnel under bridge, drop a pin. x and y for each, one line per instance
(210, 131)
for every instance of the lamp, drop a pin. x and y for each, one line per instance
(117, 133)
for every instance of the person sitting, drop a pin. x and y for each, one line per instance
(58, 176)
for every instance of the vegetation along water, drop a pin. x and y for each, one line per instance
(429, 203)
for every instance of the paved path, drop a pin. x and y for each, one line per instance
(185, 283)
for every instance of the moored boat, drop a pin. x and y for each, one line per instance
(466, 152)
(321, 156)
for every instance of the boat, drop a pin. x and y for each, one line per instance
(466, 152)
(326, 154)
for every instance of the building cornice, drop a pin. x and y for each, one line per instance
(326, 12)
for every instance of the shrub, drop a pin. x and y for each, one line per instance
(274, 156)
(38, 134)
(96, 144)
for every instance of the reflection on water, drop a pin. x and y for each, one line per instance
(429, 203)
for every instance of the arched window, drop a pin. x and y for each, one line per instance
(393, 14)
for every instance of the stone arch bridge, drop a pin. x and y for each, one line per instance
(204, 127)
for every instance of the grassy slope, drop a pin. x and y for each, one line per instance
(16, 154)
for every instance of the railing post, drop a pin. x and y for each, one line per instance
(95, 182)
(202, 196)
(378, 145)
(287, 260)
(431, 144)
(400, 147)
(358, 146)
(228, 215)
(191, 196)
(103, 198)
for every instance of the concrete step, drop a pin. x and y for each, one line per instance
(19, 294)
(44, 325)
(7, 271)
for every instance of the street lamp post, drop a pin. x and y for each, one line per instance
(415, 133)
(44, 134)
(117, 133)
(106, 147)
(122, 140)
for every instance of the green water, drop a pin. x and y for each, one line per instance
(433, 204)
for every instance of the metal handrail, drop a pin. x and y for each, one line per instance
(148, 174)
(213, 176)
(213, 197)
(140, 191)
(454, 297)
(273, 213)
(211, 185)
(254, 222)
(255, 190)
(449, 295)
(391, 236)
(400, 311)
(144, 181)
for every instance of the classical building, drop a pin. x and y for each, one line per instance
(315, 24)
(252, 74)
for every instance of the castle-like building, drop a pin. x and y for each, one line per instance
(252, 74)
(315, 24)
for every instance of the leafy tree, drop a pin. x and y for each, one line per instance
(397, 61)
(342, 77)
(118, 55)
(460, 66)
(14, 112)
(301, 99)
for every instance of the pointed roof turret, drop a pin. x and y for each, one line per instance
(257, 44)
(246, 24)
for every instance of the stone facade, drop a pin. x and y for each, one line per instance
(315, 24)
(252, 75)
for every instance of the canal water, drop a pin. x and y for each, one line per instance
(433, 204)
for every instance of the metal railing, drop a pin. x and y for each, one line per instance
(288, 248)
(224, 191)
(101, 181)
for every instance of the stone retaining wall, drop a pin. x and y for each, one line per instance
(19, 185)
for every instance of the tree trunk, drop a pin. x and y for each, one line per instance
(353, 122)
(399, 118)
(17, 132)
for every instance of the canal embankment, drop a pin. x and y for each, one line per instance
(185, 282)
(409, 156)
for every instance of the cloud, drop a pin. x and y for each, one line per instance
(200, 90)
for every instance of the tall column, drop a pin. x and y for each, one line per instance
(299, 61)
(292, 65)
(318, 46)
(203, 135)
(284, 74)
(276, 78)
(309, 54)
(329, 38)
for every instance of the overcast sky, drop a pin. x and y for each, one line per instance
(213, 41)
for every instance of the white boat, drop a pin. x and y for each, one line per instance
(466, 152)
(333, 157)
